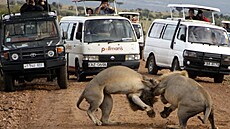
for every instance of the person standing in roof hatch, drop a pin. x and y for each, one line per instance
(200, 16)
(191, 15)
(104, 8)
(44, 4)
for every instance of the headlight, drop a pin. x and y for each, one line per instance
(6, 55)
(50, 53)
(226, 58)
(94, 58)
(190, 54)
(15, 56)
(60, 50)
(132, 57)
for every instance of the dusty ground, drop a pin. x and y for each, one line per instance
(42, 105)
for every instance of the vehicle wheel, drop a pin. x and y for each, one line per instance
(192, 75)
(62, 77)
(219, 78)
(8, 82)
(152, 67)
(80, 77)
(1, 82)
(175, 65)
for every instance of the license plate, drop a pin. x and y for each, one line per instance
(97, 64)
(213, 64)
(33, 65)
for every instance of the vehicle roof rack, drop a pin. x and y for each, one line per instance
(225, 22)
(76, 1)
(136, 14)
(29, 15)
(196, 7)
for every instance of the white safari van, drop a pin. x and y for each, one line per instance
(134, 17)
(94, 43)
(201, 48)
(226, 25)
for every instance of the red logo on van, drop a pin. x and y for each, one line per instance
(109, 48)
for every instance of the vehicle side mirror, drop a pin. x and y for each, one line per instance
(182, 37)
(138, 34)
(64, 35)
(79, 35)
(144, 32)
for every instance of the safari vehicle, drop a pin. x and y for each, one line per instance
(94, 43)
(135, 19)
(226, 25)
(201, 48)
(31, 48)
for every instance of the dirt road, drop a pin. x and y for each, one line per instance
(42, 105)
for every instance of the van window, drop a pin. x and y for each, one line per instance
(79, 30)
(199, 34)
(64, 27)
(29, 32)
(70, 31)
(69, 28)
(169, 31)
(156, 30)
(138, 29)
(181, 32)
(108, 30)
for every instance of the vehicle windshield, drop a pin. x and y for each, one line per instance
(206, 35)
(108, 30)
(30, 33)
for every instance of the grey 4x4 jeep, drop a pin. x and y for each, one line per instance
(31, 48)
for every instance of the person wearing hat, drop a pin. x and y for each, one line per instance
(104, 8)
(200, 16)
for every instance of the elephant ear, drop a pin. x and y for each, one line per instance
(149, 82)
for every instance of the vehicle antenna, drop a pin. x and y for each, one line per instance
(47, 4)
(8, 6)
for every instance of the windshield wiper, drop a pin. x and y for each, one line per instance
(203, 43)
(102, 40)
(39, 39)
(223, 44)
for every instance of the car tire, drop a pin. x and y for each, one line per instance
(80, 77)
(151, 65)
(192, 75)
(62, 77)
(8, 82)
(175, 65)
(219, 78)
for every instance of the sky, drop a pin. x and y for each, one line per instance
(161, 5)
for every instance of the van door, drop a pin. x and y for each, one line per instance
(72, 44)
(179, 44)
(154, 42)
(167, 53)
